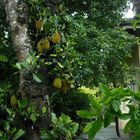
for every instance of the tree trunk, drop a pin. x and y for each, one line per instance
(17, 17)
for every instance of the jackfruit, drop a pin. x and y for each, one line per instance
(56, 38)
(38, 24)
(13, 100)
(60, 7)
(43, 45)
(57, 83)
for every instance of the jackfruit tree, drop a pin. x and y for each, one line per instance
(61, 45)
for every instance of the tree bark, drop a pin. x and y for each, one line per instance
(17, 17)
(20, 39)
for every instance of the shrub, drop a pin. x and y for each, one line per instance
(63, 128)
(74, 100)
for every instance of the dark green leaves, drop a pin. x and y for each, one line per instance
(62, 127)
(36, 78)
(18, 134)
(3, 58)
(6, 125)
(116, 105)
(93, 127)
(108, 118)
(85, 114)
(33, 117)
(127, 127)
(105, 90)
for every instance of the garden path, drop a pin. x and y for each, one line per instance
(109, 133)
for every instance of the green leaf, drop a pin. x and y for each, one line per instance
(136, 96)
(33, 117)
(127, 127)
(74, 128)
(96, 105)
(107, 100)
(30, 109)
(22, 103)
(36, 78)
(96, 126)
(13, 130)
(65, 119)
(46, 136)
(88, 127)
(116, 105)
(3, 58)
(18, 66)
(9, 111)
(6, 125)
(135, 24)
(19, 134)
(85, 114)
(1, 133)
(44, 109)
(125, 116)
(105, 89)
(108, 118)
(60, 65)
(54, 118)
(53, 55)
(56, 21)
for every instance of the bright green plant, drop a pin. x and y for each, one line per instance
(104, 111)
(63, 128)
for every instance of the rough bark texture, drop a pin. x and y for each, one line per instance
(20, 39)
(17, 17)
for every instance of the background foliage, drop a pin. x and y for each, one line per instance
(90, 52)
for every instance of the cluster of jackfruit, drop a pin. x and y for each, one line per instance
(44, 44)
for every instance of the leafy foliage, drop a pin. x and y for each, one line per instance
(108, 107)
(16, 120)
(63, 128)
(8, 128)
(108, 12)
(74, 100)
(7, 59)
(89, 53)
